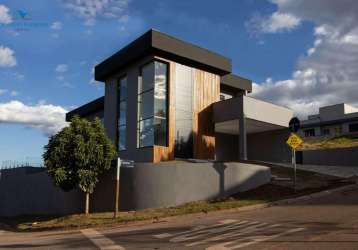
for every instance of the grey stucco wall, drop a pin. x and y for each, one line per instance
(31, 191)
(226, 147)
(331, 157)
(170, 183)
(265, 146)
(269, 146)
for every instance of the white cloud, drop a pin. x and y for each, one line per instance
(5, 17)
(92, 80)
(7, 58)
(328, 74)
(56, 25)
(92, 9)
(6, 91)
(19, 76)
(45, 117)
(61, 68)
(14, 93)
(277, 22)
(3, 91)
(68, 85)
(90, 22)
(60, 78)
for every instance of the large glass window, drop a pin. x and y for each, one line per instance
(152, 105)
(122, 116)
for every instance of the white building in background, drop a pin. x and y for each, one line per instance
(333, 120)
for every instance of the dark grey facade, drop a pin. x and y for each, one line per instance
(265, 146)
(331, 157)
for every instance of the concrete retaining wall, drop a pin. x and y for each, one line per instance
(331, 157)
(170, 184)
(31, 191)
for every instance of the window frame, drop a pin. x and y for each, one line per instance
(167, 96)
(308, 134)
(119, 101)
(326, 131)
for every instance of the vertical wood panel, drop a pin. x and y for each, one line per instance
(161, 153)
(206, 90)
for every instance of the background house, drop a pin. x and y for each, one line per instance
(333, 120)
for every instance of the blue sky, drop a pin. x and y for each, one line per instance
(48, 68)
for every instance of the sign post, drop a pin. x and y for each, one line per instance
(117, 188)
(294, 141)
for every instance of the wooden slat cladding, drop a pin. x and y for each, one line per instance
(161, 153)
(206, 90)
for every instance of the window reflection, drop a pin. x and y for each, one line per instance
(152, 105)
(122, 116)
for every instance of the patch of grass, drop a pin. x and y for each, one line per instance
(31, 223)
(327, 143)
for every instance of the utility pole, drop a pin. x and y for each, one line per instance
(294, 167)
(116, 206)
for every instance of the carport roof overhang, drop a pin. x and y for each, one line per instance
(157, 43)
(260, 116)
(252, 127)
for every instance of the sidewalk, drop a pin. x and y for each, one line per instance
(338, 171)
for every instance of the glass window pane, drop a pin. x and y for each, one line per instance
(160, 131)
(147, 78)
(122, 138)
(146, 137)
(145, 105)
(160, 108)
(160, 90)
(123, 89)
(122, 113)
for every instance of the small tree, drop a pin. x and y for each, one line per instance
(78, 154)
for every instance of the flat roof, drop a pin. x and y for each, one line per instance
(87, 109)
(236, 81)
(161, 44)
(327, 123)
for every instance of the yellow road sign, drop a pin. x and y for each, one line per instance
(294, 141)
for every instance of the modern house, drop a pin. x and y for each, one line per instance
(166, 99)
(333, 120)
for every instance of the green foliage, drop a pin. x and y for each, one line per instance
(77, 155)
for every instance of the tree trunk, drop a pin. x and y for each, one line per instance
(87, 204)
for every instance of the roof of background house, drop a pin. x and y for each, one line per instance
(327, 123)
(87, 109)
(161, 44)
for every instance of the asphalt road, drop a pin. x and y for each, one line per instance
(329, 222)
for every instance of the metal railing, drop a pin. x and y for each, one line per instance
(28, 162)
